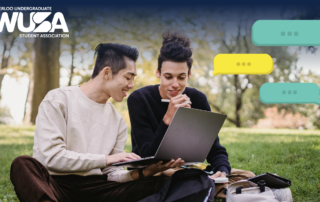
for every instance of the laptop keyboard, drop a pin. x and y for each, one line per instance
(150, 157)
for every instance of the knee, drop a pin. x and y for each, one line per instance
(250, 174)
(18, 165)
(21, 161)
(244, 173)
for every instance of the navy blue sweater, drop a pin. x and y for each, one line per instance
(147, 127)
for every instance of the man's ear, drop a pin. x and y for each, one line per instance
(106, 73)
(158, 73)
(189, 75)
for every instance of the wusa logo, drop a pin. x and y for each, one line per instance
(36, 18)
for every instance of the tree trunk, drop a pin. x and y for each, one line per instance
(238, 100)
(27, 106)
(73, 49)
(46, 71)
(1, 78)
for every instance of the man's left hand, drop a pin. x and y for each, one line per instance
(218, 174)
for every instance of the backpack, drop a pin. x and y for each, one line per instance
(247, 191)
(185, 185)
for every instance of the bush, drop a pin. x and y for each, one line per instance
(282, 119)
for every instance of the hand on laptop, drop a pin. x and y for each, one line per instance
(159, 167)
(115, 158)
(174, 104)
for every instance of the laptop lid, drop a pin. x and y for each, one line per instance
(190, 135)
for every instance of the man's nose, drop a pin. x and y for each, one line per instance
(131, 85)
(175, 83)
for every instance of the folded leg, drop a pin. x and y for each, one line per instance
(32, 182)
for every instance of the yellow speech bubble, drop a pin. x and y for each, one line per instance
(242, 64)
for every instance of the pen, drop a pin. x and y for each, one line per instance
(167, 100)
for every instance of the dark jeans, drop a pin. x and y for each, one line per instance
(32, 183)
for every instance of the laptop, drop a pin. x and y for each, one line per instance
(190, 137)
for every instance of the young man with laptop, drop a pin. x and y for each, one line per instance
(79, 134)
(150, 117)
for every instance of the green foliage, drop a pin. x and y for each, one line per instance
(19, 59)
(292, 154)
(311, 111)
(224, 91)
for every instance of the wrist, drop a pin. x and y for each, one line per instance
(142, 174)
(110, 160)
(146, 172)
(107, 160)
(223, 169)
(166, 120)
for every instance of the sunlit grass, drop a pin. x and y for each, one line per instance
(293, 154)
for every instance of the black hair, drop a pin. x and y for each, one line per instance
(113, 55)
(175, 48)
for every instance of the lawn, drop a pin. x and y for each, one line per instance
(293, 154)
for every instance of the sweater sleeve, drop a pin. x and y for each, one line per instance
(51, 133)
(218, 156)
(118, 173)
(147, 140)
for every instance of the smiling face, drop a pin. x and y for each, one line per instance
(119, 84)
(173, 78)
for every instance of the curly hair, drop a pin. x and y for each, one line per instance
(175, 48)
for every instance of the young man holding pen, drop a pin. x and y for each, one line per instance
(152, 108)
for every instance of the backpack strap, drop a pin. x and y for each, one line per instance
(262, 185)
(223, 190)
(238, 190)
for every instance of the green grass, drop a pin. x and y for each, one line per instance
(14, 141)
(292, 154)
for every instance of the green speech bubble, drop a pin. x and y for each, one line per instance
(286, 33)
(289, 93)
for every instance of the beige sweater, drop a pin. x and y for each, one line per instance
(74, 134)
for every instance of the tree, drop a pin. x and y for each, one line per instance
(46, 71)
(238, 95)
(312, 111)
(75, 27)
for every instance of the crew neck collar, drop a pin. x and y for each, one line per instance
(89, 100)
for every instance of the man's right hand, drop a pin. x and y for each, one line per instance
(159, 167)
(174, 104)
(120, 157)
